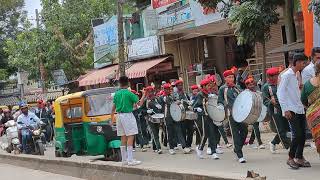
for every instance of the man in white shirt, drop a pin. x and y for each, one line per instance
(309, 72)
(293, 110)
(25, 120)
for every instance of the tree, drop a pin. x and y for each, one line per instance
(315, 7)
(252, 21)
(65, 38)
(11, 15)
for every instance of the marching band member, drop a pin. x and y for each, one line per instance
(186, 126)
(251, 85)
(293, 110)
(195, 91)
(270, 99)
(205, 124)
(153, 107)
(137, 114)
(227, 95)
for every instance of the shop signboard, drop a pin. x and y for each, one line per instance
(160, 3)
(175, 16)
(143, 48)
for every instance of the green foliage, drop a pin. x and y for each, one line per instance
(64, 39)
(252, 21)
(11, 14)
(314, 6)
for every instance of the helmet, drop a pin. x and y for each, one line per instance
(22, 105)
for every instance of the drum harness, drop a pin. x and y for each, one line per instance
(275, 110)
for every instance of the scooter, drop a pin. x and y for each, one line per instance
(12, 137)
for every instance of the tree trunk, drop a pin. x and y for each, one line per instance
(289, 21)
(264, 62)
(121, 39)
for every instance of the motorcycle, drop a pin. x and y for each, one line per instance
(12, 137)
(37, 138)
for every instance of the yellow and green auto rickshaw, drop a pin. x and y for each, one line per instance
(4, 107)
(83, 125)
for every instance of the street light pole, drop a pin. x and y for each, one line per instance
(121, 38)
(41, 66)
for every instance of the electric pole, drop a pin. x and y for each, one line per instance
(121, 56)
(41, 66)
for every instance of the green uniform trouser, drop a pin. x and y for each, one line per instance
(255, 133)
(239, 133)
(222, 133)
(154, 132)
(282, 126)
(208, 131)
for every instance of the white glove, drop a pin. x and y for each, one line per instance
(190, 107)
(149, 111)
(199, 109)
(165, 99)
(158, 106)
(190, 103)
(211, 95)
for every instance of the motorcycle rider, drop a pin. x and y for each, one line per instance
(6, 117)
(43, 114)
(26, 119)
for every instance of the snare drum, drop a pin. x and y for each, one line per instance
(247, 107)
(157, 118)
(190, 115)
(215, 112)
(177, 111)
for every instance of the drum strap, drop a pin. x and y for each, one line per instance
(225, 94)
(204, 105)
(272, 96)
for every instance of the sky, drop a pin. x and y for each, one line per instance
(30, 6)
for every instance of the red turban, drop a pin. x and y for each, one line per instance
(272, 71)
(228, 73)
(166, 86)
(178, 82)
(193, 87)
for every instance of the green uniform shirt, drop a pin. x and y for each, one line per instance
(232, 94)
(124, 100)
(267, 98)
(198, 102)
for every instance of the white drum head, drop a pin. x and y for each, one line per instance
(263, 113)
(242, 106)
(215, 112)
(175, 112)
(158, 116)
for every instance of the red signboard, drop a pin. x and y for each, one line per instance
(159, 3)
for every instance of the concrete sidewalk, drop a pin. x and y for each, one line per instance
(179, 166)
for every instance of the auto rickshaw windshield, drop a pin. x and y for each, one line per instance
(99, 104)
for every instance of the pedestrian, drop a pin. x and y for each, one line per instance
(293, 110)
(227, 95)
(123, 103)
(270, 100)
(309, 71)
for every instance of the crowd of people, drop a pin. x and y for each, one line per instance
(284, 94)
(27, 116)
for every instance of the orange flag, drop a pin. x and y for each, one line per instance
(308, 27)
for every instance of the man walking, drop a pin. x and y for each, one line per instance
(123, 103)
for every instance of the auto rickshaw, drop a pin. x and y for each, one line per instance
(83, 125)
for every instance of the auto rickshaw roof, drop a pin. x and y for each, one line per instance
(69, 96)
(100, 91)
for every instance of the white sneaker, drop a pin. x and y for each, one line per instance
(242, 160)
(186, 150)
(262, 146)
(199, 154)
(218, 146)
(209, 152)
(228, 145)
(134, 163)
(219, 151)
(175, 148)
(172, 151)
(143, 149)
(179, 145)
(159, 151)
(272, 148)
(133, 150)
(215, 156)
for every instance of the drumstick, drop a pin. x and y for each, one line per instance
(274, 121)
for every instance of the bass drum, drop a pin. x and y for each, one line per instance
(263, 114)
(215, 112)
(177, 111)
(247, 107)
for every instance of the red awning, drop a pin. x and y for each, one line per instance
(139, 69)
(98, 76)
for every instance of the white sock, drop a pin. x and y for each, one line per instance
(129, 153)
(123, 150)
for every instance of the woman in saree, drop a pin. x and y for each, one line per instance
(310, 97)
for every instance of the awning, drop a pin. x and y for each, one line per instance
(139, 69)
(99, 76)
(288, 47)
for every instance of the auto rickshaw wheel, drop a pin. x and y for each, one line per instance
(113, 154)
(66, 154)
(57, 153)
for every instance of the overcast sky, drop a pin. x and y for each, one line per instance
(30, 6)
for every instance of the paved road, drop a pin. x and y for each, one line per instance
(261, 161)
(18, 173)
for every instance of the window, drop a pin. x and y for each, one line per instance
(74, 112)
(98, 105)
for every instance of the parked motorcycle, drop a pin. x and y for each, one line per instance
(12, 137)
